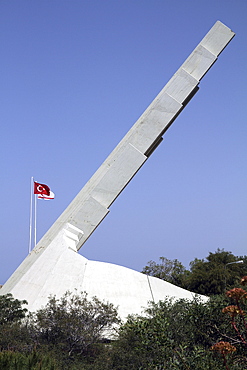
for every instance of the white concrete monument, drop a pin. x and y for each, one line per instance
(54, 266)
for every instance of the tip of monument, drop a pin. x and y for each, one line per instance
(222, 24)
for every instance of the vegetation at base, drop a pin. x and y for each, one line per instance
(180, 335)
(78, 333)
(10, 360)
(73, 323)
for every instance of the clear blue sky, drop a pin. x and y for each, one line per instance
(75, 76)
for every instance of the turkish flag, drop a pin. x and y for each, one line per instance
(41, 188)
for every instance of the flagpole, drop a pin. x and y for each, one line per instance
(35, 220)
(31, 217)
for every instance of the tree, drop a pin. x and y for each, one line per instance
(238, 336)
(142, 343)
(13, 332)
(177, 334)
(11, 360)
(215, 274)
(11, 309)
(74, 324)
(209, 276)
(169, 270)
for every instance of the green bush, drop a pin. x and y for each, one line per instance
(22, 361)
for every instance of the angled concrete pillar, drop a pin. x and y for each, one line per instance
(54, 265)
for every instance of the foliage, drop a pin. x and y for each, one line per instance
(142, 342)
(11, 309)
(208, 276)
(213, 275)
(238, 323)
(10, 360)
(169, 270)
(13, 333)
(76, 333)
(73, 324)
(15, 337)
(178, 335)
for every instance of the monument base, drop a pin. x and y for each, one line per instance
(62, 268)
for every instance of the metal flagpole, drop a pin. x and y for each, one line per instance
(35, 219)
(31, 217)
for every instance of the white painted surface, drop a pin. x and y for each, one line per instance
(65, 270)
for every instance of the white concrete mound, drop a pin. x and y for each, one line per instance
(67, 270)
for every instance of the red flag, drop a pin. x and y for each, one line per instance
(41, 189)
